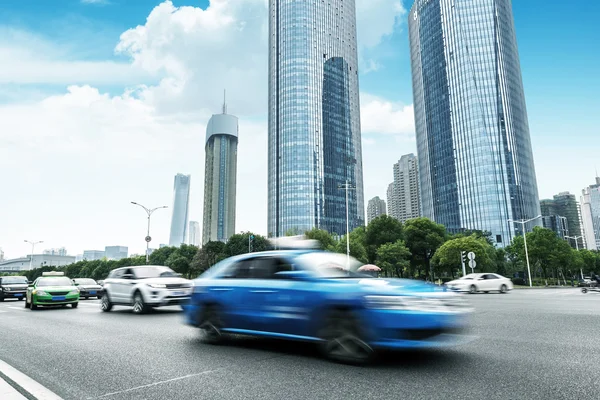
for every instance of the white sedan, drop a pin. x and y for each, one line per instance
(487, 282)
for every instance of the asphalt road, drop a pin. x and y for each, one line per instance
(532, 344)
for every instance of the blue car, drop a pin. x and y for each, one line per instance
(316, 296)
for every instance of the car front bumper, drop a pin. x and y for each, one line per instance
(91, 293)
(14, 294)
(54, 300)
(389, 329)
(168, 297)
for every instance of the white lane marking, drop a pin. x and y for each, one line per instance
(7, 392)
(17, 308)
(155, 384)
(26, 383)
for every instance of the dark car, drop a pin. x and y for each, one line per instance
(88, 288)
(13, 287)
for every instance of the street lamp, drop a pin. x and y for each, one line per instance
(576, 238)
(523, 222)
(148, 238)
(32, 243)
(347, 186)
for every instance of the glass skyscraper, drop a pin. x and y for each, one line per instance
(475, 158)
(220, 177)
(181, 203)
(314, 121)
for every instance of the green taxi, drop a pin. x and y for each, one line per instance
(52, 289)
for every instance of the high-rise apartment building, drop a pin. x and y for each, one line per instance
(404, 191)
(475, 158)
(590, 213)
(181, 203)
(116, 252)
(314, 121)
(220, 174)
(375, 208)
(194, 233)
(565, 205)
(391, 200)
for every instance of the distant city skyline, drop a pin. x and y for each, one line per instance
(194, 234)
(180, 210)
(404, 197)
(375, 208)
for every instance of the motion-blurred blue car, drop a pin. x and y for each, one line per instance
(315, 296)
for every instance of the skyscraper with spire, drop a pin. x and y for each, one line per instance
(220, 173)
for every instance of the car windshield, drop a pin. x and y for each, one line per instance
(470, 276)
(154, 272)
(86, 281)
(54, 282)
(11, 280)
(331, 265)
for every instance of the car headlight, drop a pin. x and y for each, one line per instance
(157, 285)
(75, 291)
(40, 292)
(416, 303)
(6, 289)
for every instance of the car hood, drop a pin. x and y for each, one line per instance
(15, 285)
(56, 288)
(90, 287)
(166, 281)
(394, 286)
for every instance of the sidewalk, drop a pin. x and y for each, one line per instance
(7, 392)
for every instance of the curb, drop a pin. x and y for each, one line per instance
(24, 385)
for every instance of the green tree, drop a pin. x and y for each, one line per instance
(210, 254)
(180, 260)
(423, 237)
(383, 229)
(393, 258)
(357, 248)
(160, 256)
(448, 257)
(326, 240)
(238, 244)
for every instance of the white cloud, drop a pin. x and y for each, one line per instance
(376, 19)
(71, 163)
(383, 116)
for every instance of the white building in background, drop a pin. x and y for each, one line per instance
(35, 261)
(91, 255)
(1, 255)
(590, 215)
(181, 203)
(375, 208)
(116, 252)
(404, 198)
(194, 233)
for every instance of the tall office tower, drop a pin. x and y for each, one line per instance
(314, 121)
(565, 205)
(181, 203)
(116, 252)
(194, 233)
(405, 189)
(220, 174)
(92, 255)
(475, 158)
(375, 208)
(590, 213)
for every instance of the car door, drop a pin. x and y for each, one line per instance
(490, 282)
(277, 305)
(119, 286)
(227, 290)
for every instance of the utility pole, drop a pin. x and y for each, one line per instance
(523, 222)
(148, 237)
(347, 186)
(250, 240)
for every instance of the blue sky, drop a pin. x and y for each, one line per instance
(77, 40)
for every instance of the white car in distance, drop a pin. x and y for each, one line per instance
(144, 288)
(485, 282)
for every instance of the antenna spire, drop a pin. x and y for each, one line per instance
(224, 101)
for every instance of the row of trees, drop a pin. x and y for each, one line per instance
(419, 248)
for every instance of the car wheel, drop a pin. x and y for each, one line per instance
(74, 305)
(139, 307)
(486, 292)
(86, 297)
(503, 289)
(343, 339)
(33, 306)
(27, 303)
(105, 304)
(21, 299)
(210, 325)
(473, 289)
(99, 297)
(1, 296)
(584, 290)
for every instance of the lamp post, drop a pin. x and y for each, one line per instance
(523, 222)
(32, 243)
(347, 186)
(576, 238)
(148, 238)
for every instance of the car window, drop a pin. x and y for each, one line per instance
(153, 272)
(267, 267)
(491, 276)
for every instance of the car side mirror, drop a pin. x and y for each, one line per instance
(294, 275)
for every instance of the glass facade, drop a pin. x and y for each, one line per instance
(179, 218)
(314, 122)
(220, 177)
(475, 158)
